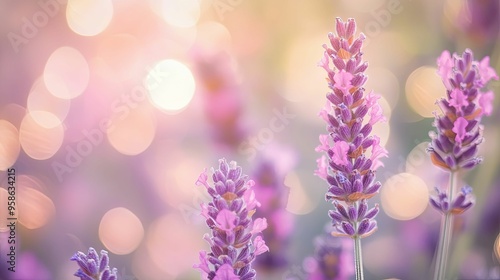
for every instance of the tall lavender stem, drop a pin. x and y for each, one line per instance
(459, 132)
(358, 258)
(446, 233)
(352, 154)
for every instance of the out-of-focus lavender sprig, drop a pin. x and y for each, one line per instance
(352, 154)
(332, 259)
(459, 129)
(222, 100)
(459, 205)
(273, 195)
(236, 238)
(459, 132)
(479, 20)
(93, 267)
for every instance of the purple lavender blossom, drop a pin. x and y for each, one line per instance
(332, 259)
(459, 132)
(93, 267)
(346, 219)
(459, 204)
(235, 240)
(353, 154)
(459, 129)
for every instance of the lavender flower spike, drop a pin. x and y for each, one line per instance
(93, 267)
(459, 129)
(353, 154)
(459, 132)
(235, 240)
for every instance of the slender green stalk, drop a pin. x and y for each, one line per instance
(445, 235)
(358, 259)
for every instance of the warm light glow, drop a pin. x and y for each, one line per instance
(386, 107)
(418, 162)
(177, 186)
(40, 99)
(385, 83)
(497, 247)
(299, 202)
(9, 145)
(173, 245)
(423, 88)
(404, 196)
(120, 56)
(89, 17)
(181, 13)
(120, 231)
(37, 141)
(34, 207)
(369, 6)
(66, 73)
(382, 129)
(417, 158)
(171, 85)
(45, 119)
(452, 12)
(213, 36)
(134, 133)
(304, 80)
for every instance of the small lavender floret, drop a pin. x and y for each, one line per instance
(93, 267)
(463, 201)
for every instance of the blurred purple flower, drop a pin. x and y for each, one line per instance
(234, 241)
(272, 193)
(93, 267)
(479, 20)
(332, 260)
(459, 129)
(352, 154)
(28, 266)
(222, 100)
(459, 204)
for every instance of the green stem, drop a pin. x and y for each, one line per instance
(358, 260)
(445, 235)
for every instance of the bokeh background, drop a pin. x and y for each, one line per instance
(109, 111)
